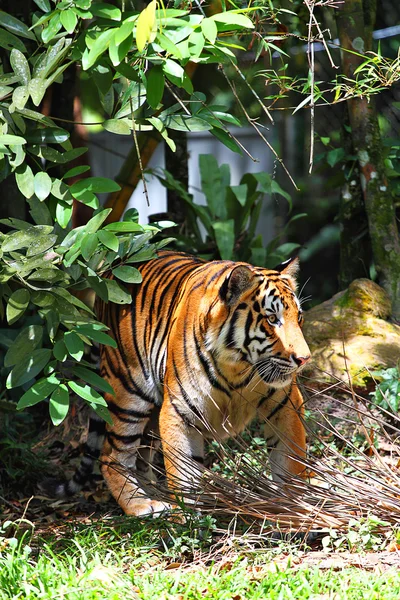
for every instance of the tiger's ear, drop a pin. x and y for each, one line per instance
(289, 269)
(236, 282)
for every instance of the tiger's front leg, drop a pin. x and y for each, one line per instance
(183, 445)
(283, 415)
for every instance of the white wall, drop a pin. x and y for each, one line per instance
(108, 153)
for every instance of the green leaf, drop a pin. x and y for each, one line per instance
(124, 226)
(9, 41)
(42, 185)
(52, 322)
(60, 351)
(196, 43)
(145, 24)
(95, 222)
(93, 379)
(100, 45)
(38, 392)
(209, 29)
(24, 344)
(28, 368)
(17, 305)
(68, 20)
(117, 293)
(117, 126)
(128, 274)
(226, 139)
(335, 156)
(89, 199)
(108, 239)
(213, 185)
(74, 344)
(76, 171)
(185, 123)
(118, 52)
(232, 18)
(20, 96)
(98, 336)
(25, 180)
(103, 412)
(44, 5)
(39, 211)
(126, 29)
(86, 392)
(59, 404)
(106, 11)
(7, 139)
(15, 26)
(31, 236)
(63, 214)
(155, 86)
(89, 245)
(53, 27)
(37, 89)
(51, 135)
(20, 66)
(94, 185)
(225, 238)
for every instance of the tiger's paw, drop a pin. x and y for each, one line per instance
(145, 507)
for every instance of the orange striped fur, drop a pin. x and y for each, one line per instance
(204, 348)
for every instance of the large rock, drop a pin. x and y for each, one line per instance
(349, 335)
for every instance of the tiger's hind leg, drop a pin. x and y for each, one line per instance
(121, 455)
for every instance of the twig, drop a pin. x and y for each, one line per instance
(310, 56)
(252, 123)
(252, 90)
(134, 134)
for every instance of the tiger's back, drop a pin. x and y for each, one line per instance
(203, 349)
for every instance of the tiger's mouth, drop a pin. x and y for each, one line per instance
(276, 374)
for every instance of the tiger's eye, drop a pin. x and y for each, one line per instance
(272, 319)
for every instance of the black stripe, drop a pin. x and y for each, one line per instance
(232, 324)
(279, 406)
(125, 439)
(130, 412)
(185, 397)
(247, 326)
(97, 427)
(206, 366)
(197, 458)
(267, 397)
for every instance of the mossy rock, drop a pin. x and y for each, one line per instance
(350, 336)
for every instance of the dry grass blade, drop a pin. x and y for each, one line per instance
(349, 479)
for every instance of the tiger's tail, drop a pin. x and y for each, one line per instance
(55, 488)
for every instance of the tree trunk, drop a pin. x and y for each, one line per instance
(355, 20)
(177, 164)
(355, 247)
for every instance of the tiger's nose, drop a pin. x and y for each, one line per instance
(300, 360)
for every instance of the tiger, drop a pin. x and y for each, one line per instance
(204, 348)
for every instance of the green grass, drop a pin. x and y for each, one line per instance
(129, 559)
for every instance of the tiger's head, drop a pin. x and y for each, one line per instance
(263, 320)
